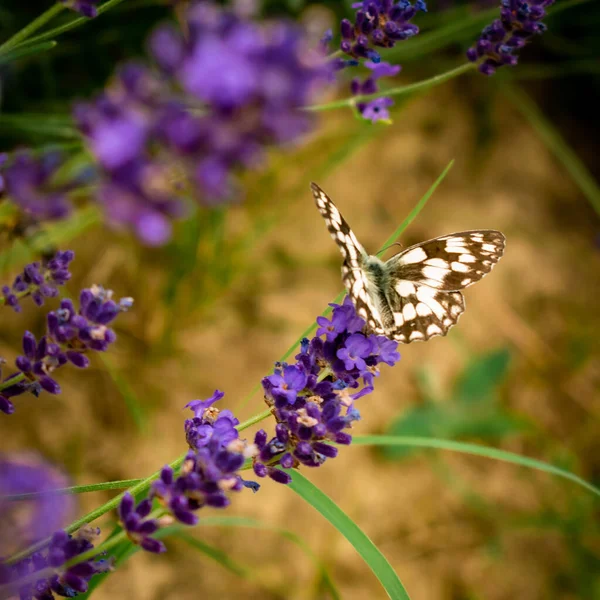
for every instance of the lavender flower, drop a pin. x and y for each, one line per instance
(227, 91)
(39, 280)
(139, 528)
(209, 474)
(378, 23)
(29, 182)
(376, 109)
(87, 8)
(498, 43)
(25, 522)
(313, 400)
(70, 335)
(54, 577)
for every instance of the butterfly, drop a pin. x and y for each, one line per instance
(414, 295)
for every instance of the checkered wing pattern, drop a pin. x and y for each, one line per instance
(415, 295)
(353, 274)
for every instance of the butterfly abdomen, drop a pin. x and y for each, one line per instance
(379, 279)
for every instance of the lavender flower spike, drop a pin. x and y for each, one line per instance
(378, 24)
(209, 474)
(499, 42)
(376, 109)
(70, 335)
(39, 280)
(28, 182)
(313, 400)
(86, 8)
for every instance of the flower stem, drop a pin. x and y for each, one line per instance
(30, 29)
(9, 382)
(255, 419)
(139, 488)
(397, 91)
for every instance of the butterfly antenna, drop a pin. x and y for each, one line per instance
(388, 247)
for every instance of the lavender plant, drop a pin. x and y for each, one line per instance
(168, 137)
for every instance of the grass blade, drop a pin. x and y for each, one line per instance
(376, 561)
(477, 450)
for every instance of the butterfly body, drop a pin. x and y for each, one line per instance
(414, 295)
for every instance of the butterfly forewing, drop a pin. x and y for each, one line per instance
(413, 296)
(451, 262)
(353, 274)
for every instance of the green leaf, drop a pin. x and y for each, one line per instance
(376, 561)
(26, 50)
(419, 421)
(216, 554)
(289, 535)
(134, 405)
(481, 377)
(477, 450)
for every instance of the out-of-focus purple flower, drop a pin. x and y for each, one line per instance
(87, 8)
(208, 475)
(66, 582)
(70, 335)
(499, 42)
(28, 182)
(27, 521)
(317, 406)
(378, 24)
(39, 280)
(376, 109)
(227, 91)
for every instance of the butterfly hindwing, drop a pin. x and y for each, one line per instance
(451, 262)
(420, 312)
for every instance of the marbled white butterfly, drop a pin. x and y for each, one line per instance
(414, 295)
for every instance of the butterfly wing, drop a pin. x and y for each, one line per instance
(353, 274)
(451, 262)
(423, 282)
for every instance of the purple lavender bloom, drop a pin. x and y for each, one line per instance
(210, 423)
(208, 475)
(228, 91)
(315, 410)
(66, 582)
(356, 348)
(86, 8)
(499, 42)
(376, 109)
(27, 521)
(39, 280)
(28, 182)
(285, 384)
(139, 528)
(378, 24)
(70, 335)
(200, 406)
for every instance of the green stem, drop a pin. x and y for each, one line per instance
(28, 30)
(255, 419)
(75, 489)
(74, 23)
(139, 488)
(397, 91)
(16, 379)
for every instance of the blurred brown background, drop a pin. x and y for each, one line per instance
(218, 316)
